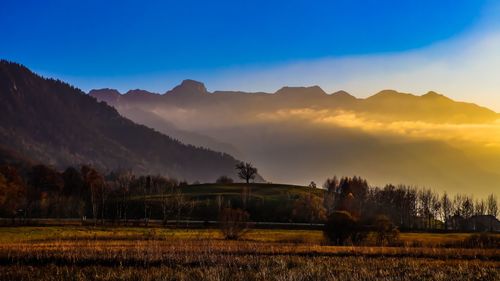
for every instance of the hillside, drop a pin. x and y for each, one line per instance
(51, 122)
(266, 202)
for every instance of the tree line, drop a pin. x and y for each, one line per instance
(43, 192)
(406, 206)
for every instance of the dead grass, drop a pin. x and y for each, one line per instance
(9, 234)
(161, 254)
(268, 268)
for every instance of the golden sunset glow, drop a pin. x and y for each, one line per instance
(481, 134)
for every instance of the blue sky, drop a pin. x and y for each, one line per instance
(155, 44)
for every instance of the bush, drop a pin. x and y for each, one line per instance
(224, 180)
(386, 232)
(341, 227)
(233, 223)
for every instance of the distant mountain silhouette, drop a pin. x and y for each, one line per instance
(109, 96)
(431, 107)
(302, 92)
(343, 96)
(298, 134)
(51, 122)
(189, 87)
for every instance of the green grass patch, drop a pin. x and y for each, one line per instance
(258, 190)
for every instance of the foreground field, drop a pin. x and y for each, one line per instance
(29, 253)
(53, 233)
(268, 268)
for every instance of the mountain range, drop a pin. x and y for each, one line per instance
(302, 134)
(294, 135)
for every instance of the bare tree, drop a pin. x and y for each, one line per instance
(425, 199)
(467, 207)
(179, 203)
(95, 183)
(330, 196)
(446, 209)
(492, 205)
(492, 208)
(166, 190)
(104, 193)
(123, 182)
(410, 206)
(233, 223)
(142, 187)
(246, 171)
(435, 206)
(480, 207)
(457, 204)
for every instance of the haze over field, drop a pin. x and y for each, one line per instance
(299, 134)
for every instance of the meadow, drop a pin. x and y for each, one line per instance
(128, 253)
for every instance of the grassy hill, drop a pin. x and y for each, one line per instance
(267, 191)
(267, 202)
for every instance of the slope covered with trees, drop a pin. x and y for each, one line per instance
(51, 122)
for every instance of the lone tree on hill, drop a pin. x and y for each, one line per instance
(246, 171)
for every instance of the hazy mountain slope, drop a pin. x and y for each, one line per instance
(152, 120)
(52, 122)
(299, 134)
(431, 107)
(316, 153)
(137, 108)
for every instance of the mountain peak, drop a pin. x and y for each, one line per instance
(300, 91)
(192, 83)
(343, 95)
(388, 95)
(189, 87)
(104, 91)
(110, 96)
(434, 95)
(139, 92)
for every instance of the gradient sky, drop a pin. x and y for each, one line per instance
(360, 46)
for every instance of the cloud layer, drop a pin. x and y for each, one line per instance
(482, 134)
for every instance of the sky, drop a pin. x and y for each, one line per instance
(449, 46)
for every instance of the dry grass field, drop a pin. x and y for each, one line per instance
(79, 253)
